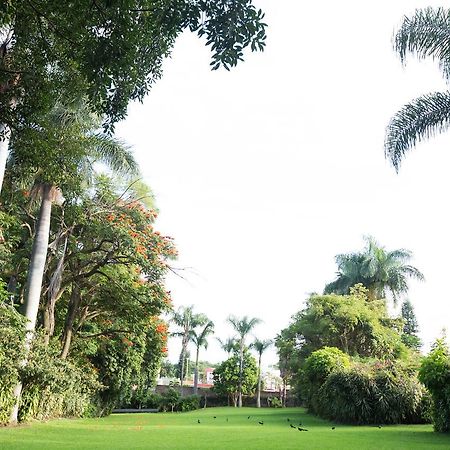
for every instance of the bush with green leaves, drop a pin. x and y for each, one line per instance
(316, 369)
(12, 352)
(55, 387)
(373, 393)
(434, 373)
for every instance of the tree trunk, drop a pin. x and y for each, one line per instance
(196, 372)
(74, 303)
(4, 144)
(241, 364)
(35, 276)
(258, 392)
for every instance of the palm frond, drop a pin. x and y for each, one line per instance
(114, 153)
(421, 119)
(426, 34)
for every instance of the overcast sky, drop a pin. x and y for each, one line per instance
(263, 174)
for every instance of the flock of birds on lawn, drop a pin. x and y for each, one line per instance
(299, 427)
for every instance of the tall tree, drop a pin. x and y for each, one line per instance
(260, 347)
(70, 134)
(187, 321)
(200, 339)
(425, 34)
(379, 270)
(243, 326)
(54, 49)
(410, 326)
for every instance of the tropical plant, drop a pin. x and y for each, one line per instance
(379, 270)
(227, 345)
(260, 346)
(236, 376)
(200, 339)
(187, 321)
(243, 326)
(434, 373)
(425, 34)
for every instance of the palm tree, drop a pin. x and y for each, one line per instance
(260, 347)
(425, 34)
(200, 340)
(227, 345)
(379, 270)
(242, 327)
(73, 131)
(187, 320)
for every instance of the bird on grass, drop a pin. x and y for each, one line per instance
(261, 423)
(292, 426)
(301, 429)
(248, 417)
(288, 419)
(215, 417)
(198, 420)
(333, 428)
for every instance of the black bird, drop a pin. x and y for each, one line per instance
(248, 417)
(198, 420)
(292, 426)
(261, 423)
(288, 419)
(301, 429)
(215, 417)
(333, 428)
(300, 424)
(379, 426)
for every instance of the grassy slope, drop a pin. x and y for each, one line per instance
(182, 431)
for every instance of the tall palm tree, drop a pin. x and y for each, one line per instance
(260, 347)
(187, 321)
(425, 34)
(200, 339)
(379, 270)
(242, 327)
(72, 131)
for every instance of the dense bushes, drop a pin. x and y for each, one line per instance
(371, 395)
(362, 392)
(434, 373)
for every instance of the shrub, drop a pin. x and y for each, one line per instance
(316, 369)
(189, 403)
(434, 373)
(274, 402)
(371, 395)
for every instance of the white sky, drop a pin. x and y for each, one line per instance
(265, 173)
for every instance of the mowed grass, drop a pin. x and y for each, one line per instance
(231, 429)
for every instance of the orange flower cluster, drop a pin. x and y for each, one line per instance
(161, 328)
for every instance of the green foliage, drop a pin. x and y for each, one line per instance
(226, 375)
(379, 270)
(349, 322)
(410, 327)
(322, 362)
(53, 387)
(424, 34)
(373, 394)
(434, 373)
(274, 402)
(107, 52)
(12, 352)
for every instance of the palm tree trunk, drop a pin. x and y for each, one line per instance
(4, 144)
(196, 372)
(241, 364)
(35, 276)
(258, 392)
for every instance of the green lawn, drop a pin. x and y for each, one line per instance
(182, 431)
